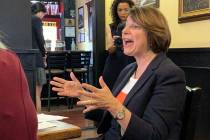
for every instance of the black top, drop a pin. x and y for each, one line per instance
(115, 62)
(38, 40)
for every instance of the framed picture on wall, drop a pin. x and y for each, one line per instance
(90, 20)
(69, 22)
(193, 10)
(153, 3)
(81, 17)
(82, 37)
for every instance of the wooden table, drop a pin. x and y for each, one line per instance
(62, 130)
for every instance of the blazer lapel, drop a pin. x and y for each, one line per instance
(148, 73)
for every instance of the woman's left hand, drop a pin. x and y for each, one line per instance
(98, 98)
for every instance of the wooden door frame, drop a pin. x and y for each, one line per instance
(98, 39)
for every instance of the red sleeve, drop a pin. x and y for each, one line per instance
(18, 115)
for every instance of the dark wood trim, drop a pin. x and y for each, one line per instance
(187, 50)
(28, 61)
(196, 64)
(196, 57)
(194, 18)
(98, 38)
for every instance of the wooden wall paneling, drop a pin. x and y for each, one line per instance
(196, 64)
(98, 38)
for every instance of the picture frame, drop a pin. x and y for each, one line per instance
(81, 17)
(90, 20)
(78, 38)
(82, 37)
(70, 31)
(69, 22)
(193, 10)
(153, 3)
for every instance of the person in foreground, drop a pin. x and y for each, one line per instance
(18, 120)
(148, 97)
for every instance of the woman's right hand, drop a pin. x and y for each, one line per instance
(112, 49)
(65, 87)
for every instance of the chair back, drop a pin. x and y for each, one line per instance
(56, 65)
(80, 59)
(191, 113)
(56, 60)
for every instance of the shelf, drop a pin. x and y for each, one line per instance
(47, 0)
(52, 16)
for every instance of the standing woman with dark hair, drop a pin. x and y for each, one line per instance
(116, 59)
(38, 12)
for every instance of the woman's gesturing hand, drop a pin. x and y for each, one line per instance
(98, 98)
(65, 87)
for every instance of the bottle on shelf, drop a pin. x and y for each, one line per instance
(48, 43)
(60, 45)
(73, 45)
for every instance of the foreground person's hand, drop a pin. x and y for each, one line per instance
(98, 98)
(65, 87)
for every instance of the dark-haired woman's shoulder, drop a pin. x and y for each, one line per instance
(35, 20)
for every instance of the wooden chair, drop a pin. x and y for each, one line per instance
(80, 64)
(56, 66)
(191, 113)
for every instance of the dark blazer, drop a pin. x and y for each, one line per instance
(38, 40)
(156, 102)
(18, 120)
